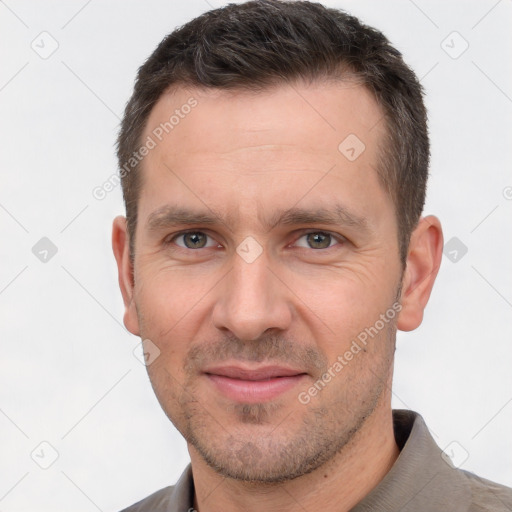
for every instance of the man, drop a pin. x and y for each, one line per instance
(274, 158)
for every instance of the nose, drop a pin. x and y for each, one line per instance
(252, 300)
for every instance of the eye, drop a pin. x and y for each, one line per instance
(193, 240)
(317, 240)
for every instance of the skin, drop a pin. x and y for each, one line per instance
(244, 158)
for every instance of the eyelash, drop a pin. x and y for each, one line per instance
(172, 239)
(339, 238)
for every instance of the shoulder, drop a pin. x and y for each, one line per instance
(156, 502)
(175, 498)
(488, 496)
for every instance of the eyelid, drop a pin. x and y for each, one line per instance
(172, 237)
(336, 236)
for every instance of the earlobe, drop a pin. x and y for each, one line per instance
(423, 262)
(121, 248)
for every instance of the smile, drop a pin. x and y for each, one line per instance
(256, 385)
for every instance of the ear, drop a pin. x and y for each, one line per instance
(121, 248)
(423, 261)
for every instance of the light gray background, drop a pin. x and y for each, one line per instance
(68, 374)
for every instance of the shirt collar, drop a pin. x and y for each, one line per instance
(422, 477)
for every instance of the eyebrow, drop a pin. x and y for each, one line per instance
(170, 216)
(338, 215)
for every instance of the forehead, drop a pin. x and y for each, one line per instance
(243, 151)
(278, 114)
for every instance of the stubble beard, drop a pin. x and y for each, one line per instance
(256, 449)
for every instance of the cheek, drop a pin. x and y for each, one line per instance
(167, 296)
(345, 295)
(342, 306)
(170, 313)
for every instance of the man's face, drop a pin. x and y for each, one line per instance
(262, 251)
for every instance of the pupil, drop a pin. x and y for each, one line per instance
(319, 240)
(195, 240)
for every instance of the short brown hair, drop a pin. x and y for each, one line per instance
(261, 43)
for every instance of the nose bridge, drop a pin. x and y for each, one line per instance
(250, 283)
(252, 299)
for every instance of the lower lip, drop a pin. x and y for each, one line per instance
(254, 391)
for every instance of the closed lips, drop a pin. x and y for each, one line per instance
(266, 373)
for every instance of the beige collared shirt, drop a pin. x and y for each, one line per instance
(421, 480)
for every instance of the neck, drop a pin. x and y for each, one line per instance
(336, 486)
